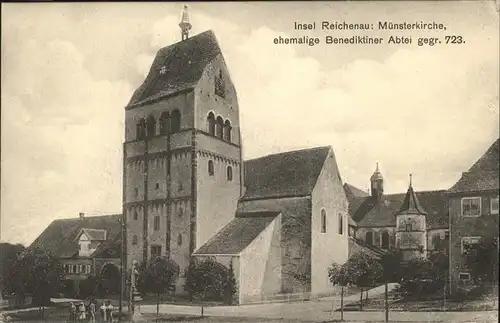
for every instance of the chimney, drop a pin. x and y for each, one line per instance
(82, 215)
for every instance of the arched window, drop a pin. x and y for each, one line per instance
(141, 129)
(220, 127)
(341, 224)
(136, 215)
(323, 221)
(229, 173)
(211, 123)
(227, 130)
(369, 238)
(175, 121)
(385, 240)
(134, 240)
(164, 123)
(151, 126)
(179, 239)
(210, 168)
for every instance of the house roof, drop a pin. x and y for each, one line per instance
(411, 204)
(93, 234)
(353, 191)
(183, 64)
(292, 173)
(237, 234)
(483, 175)
(371, 212)
(59, 236)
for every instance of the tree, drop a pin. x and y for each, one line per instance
(482, 260)
(38, 272)
(360, 269)
(340, 275)
(419, 278)
(8, 256)
(390, 263)
(159, 277)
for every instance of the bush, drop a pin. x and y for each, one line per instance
(422, 277)
(209, 280)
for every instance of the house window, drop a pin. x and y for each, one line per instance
(157, 186)
(136, 192)
(369, 238)
(134, 240)
(210, 168)
(163, 70)
(471, 206)
(408, 226)
(385, 240)
(227, 130)
(219, 122)
(323, 221)
(469, 244)
(181, 212)
(136, 216)
(175, 121)
(179, 239)
(157, 223)
(155, 251)
(341, 224)
(151, 126)
(494, 205)
(211, 124)
(141, 129)
(229, 173)
(164, 123)
(464, 276)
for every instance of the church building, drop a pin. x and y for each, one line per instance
(186, 192)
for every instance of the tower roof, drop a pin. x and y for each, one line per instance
(177, 67)
(411, 205)
(377, 175)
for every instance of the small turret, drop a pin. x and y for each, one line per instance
(377, 184)
(185, 24)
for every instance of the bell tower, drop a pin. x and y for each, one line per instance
(377, 184)
(182, 152)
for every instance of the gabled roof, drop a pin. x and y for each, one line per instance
(411, 204)
(353, 191)
(483, 175)
(288, 174)
(59, 236)
(183, 62)
(238, 234)
(93, 234)
(370, 212)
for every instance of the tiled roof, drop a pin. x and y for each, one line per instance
(238, 234)
(353, 191)
(483, 175)
(292, 173)
(182, 63)
(94, 234)
(370, 212)
(411, 204)
(59, 236)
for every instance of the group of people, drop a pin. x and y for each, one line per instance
(82, 312)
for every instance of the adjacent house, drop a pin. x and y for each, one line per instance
(85, 246)
(473, 205)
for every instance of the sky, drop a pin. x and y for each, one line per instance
(68, 71)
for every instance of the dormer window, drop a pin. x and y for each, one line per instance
(220, 86)
(163, 70)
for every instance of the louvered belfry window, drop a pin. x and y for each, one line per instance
(219, 85)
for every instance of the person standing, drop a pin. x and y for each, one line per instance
(72, 312)
(81, 308)
(109, 311)
(103, 311)
(92, 311)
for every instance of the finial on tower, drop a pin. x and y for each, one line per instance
(376, 170)
(410, 179)
(185, 24)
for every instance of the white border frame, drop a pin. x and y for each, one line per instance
(491, 205)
